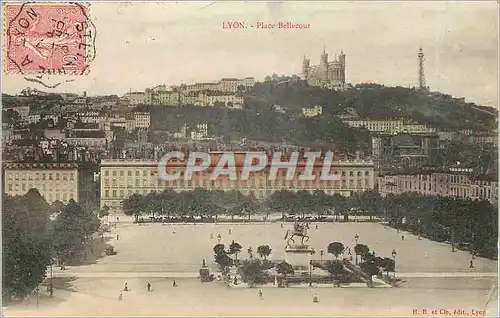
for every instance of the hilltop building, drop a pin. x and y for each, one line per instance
(328, 74)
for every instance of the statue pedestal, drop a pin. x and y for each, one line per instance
(299, 256)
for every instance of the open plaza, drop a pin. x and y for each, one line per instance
(433, 277)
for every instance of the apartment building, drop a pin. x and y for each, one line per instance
(455, 182)
(122, 178)
(54, 181)
(389, 126)
(312, 111)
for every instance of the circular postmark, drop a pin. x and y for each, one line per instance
(47, 39)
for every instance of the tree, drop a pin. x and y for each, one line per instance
(284, 269)
(221, 257)
(133, 206)
(335, 268)
(264, 251)
(219, 249)
(361, 250)
(370, 269)
(388, 265)
(104, 212)
(251, 272)
(223, 261)
(25, 244)
(71, 230)
(234, 248)
(336, 248)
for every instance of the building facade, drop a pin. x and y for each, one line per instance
(456, 182)
(328, 74)
(312, 111)
(54, 181)
(122, 178)
(392, 126)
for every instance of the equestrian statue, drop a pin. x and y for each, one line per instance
(300, 230)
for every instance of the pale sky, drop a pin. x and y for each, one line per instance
(140, 45)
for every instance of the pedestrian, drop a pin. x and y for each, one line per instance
(315, 299)
(203, 264)
(174, 284)
(349, 251)
(471, 264)
(229, 231)
(402, 237)
(316, 226)
(281, 225)
(149, 286)
(211, 236)
(173, 231)
(260, 294)
(219, 237)
(120, 297)
(117, 219)
(125, 288)
(117, 237)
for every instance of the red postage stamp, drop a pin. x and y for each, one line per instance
(47, 38)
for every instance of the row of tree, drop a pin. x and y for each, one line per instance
(437, 218)
(252, 269)
(34, 234)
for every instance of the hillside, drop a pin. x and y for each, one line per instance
(375, 101)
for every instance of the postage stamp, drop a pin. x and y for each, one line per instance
(48, 38)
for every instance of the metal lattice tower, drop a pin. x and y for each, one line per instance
(421, 72)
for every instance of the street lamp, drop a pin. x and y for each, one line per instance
(419, 222)
(310, 273)
(356, 238)
(394, 258)
(51, 286)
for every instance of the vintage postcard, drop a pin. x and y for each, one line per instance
(250, 158)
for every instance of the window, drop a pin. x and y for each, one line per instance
(114, 182)
(57, 176)
(114, 193)
(106, 173)
(44, 176)
(122, 193)
(71, 176)
(129, 173)
(64, 177)
(122, 173)
(50, 176)
(106, 182)
(10, 186)
(351, 173)
(24, 187)
(367, 173)
(137, 182)
(137, 173)
(144, 173)
(106, 193)
(114, 173)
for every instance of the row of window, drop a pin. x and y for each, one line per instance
(460, 192)
(205, 183)
(41, 176)
(43, 186)
(280, 173)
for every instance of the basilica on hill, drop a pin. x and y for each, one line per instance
(328, 74)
